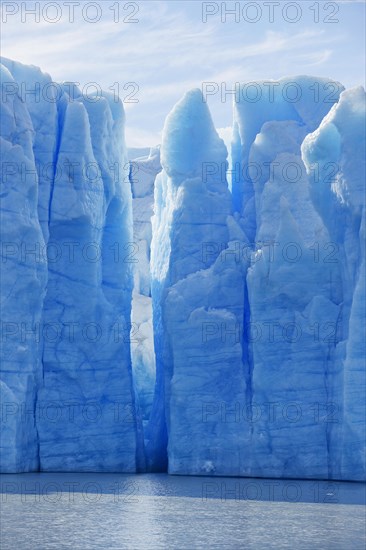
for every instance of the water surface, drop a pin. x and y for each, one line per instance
(157, 511)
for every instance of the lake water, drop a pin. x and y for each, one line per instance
(157, 511)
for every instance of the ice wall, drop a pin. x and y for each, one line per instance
(294, 293)
(23, 284)
(197, 287)
(339, 144)
(41, 96)
(80, 386)
(256, 333)
(143, 171)
(287, 104)
(249, 304)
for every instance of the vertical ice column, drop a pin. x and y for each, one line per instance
(88, 418)
(23, 283)
(41, 97)
(66, 171)
(294, 305)
(303, 99)
(338, 147)
(143, 172)
(197, 290)
(294, 289)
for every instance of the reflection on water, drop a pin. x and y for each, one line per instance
(117, 511)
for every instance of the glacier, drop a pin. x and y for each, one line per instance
(252, 338)
(70, 375)
(292, 378)
(143, 171)
(340, 140)
(193, 287)
(23, 285)
(187, 308)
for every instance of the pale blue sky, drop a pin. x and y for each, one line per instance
(170, 50)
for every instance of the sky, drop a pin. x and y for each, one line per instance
(152, 51)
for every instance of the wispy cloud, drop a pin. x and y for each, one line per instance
(170, 50)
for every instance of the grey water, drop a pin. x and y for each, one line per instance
(157, 511)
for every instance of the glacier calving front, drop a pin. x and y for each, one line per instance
(68, 391)
(259, 304)
(256, 284)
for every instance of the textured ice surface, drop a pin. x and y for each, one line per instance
(23, 284)
(294, 297)
(142, 176)
(36, 89)
(299, 103)
(340, 140)
(76, 383)
(248, 298)
(197, 286)
(256, 364)
(143, 171)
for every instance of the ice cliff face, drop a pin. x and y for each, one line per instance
(294, 296)
(339, 143)
(75, 298)
(196, 286)
(195, 325)
(258, 370)
(23, 285)
(143, 172)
